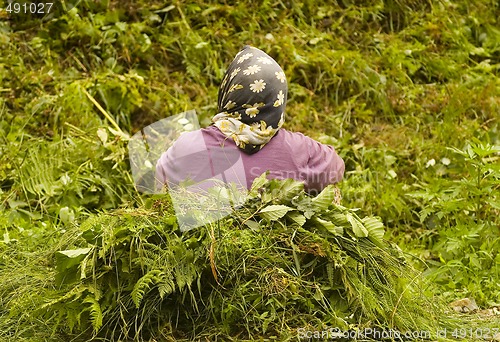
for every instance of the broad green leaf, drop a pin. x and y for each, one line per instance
(67, 264)
(257, 184)
(285, 190)
(374, 226)
(253, 225)
(357, 226)
(274, 212)
(339, 219)
(297, 218)
(331, 227)
(75, 253)
(305, 205)
(325, 198)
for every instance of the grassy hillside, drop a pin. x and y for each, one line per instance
(406, 90)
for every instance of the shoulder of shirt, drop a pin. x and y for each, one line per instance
(289, 134)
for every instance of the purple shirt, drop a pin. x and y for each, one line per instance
(208, 153)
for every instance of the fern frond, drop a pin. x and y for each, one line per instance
(96, 316)
(144, 284)
(74, 294)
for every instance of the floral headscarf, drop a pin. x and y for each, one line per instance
(252, 100)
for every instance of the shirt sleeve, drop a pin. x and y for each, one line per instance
(324, 166)
(160, 173)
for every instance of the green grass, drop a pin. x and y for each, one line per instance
(391, 84)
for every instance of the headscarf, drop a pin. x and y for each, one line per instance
(252, 100)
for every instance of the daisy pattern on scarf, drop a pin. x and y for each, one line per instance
(268, 131)
(224, 81)
(257, 86)
(235, 87)
(280, 100)
(281, 76)
(282, 120)
(224, 126)
(253, 69)
(235, 115)
(252, 111)
(244, 57)
(235, 72)
(255, 126)
(230, 105)
(265, 60)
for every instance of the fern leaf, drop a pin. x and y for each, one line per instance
(76, 292)
(95, 312)
(144, 284)
(166, 287)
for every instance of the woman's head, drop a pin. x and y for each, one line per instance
(252, 99)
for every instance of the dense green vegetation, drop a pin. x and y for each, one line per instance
(406, 90)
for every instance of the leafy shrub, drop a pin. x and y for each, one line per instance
(462, 218)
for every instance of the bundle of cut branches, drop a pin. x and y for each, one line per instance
(281, 264)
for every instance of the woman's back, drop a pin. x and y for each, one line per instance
(208, 153)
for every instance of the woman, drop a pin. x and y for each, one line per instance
(246, 138)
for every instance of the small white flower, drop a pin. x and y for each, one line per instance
(224, 126)
(257, 86)
(265, 60)
(281, 76)
(431, 162)
(253, 69)
(392, 173)
(269, 36)
(235, 87)
(445, 161)
(230, 105)
(65, 179)
(235, 72)
(280, 100)
(252, 111)
(255, 126)
(244, 57)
